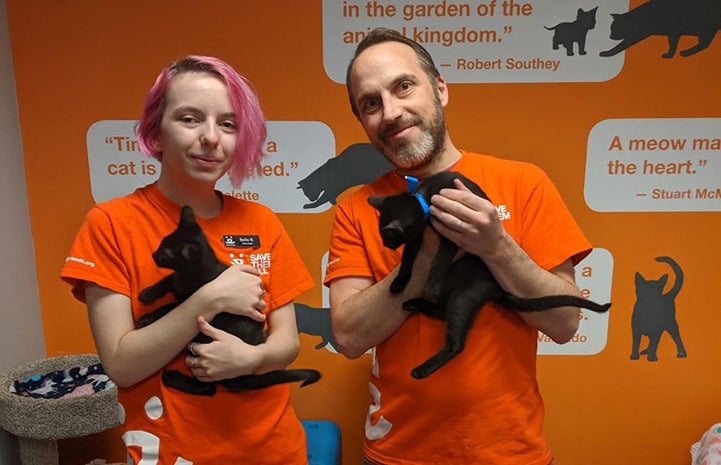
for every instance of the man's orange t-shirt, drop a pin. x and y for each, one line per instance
(484, 406)
(161, 425)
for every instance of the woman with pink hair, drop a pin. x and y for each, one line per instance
(201, 120)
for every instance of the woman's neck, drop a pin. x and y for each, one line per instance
(202, 198)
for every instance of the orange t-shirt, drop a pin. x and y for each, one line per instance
(113, 249)
(484, 406)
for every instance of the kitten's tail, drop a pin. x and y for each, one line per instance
(539, 304)
(308, 376)
(271, 378)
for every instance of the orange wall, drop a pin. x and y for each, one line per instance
(84, 61)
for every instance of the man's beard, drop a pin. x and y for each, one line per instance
(412, 155)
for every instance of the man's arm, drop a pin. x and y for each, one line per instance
(130, 355)
(365, 313)
(480, 232)
(518, 274)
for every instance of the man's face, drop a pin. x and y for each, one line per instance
(401, 109)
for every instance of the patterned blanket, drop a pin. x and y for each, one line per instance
(71, 382)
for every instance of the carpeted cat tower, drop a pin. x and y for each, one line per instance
(56, 398)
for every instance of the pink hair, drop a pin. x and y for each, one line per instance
(250, 120)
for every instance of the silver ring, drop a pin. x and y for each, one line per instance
(191, 349)
(262, 293)
(458, 224)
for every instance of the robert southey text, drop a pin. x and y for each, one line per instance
(478, 64)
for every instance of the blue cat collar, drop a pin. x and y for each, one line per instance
(412, 183)
(424, 205)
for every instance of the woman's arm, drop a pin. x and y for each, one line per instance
(130, 355)
(227, 356)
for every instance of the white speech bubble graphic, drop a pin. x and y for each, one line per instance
(659, 165)
(594, 275)
(294, 149)
(481, 41)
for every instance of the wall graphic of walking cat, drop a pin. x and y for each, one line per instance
(358, 164)
(567, 34)
(670, 18)
(655, 312)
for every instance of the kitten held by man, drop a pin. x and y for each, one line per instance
(187, 252)
(455, 290)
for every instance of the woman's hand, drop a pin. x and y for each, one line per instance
(226, 356)
(237, 290)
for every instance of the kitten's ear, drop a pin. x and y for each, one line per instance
(376, 201)
(663, 280)
(186, 215)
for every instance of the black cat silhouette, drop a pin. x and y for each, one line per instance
(455, 290)
(187, 252)
(315, 322)
(567, 34)
(671, 18)
(358, 164)
(655, 312)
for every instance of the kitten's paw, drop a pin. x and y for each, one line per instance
(425, 307)
(412, 305)
(148, 295)
(144, 297)
(145, 320)
(634, 356)
(397, 286)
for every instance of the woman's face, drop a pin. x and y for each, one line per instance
(198, 130)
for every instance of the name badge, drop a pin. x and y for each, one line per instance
(240, 242)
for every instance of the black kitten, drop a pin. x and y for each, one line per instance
(455, 291)
(187, 252)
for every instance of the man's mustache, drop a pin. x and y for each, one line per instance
(396, 126)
